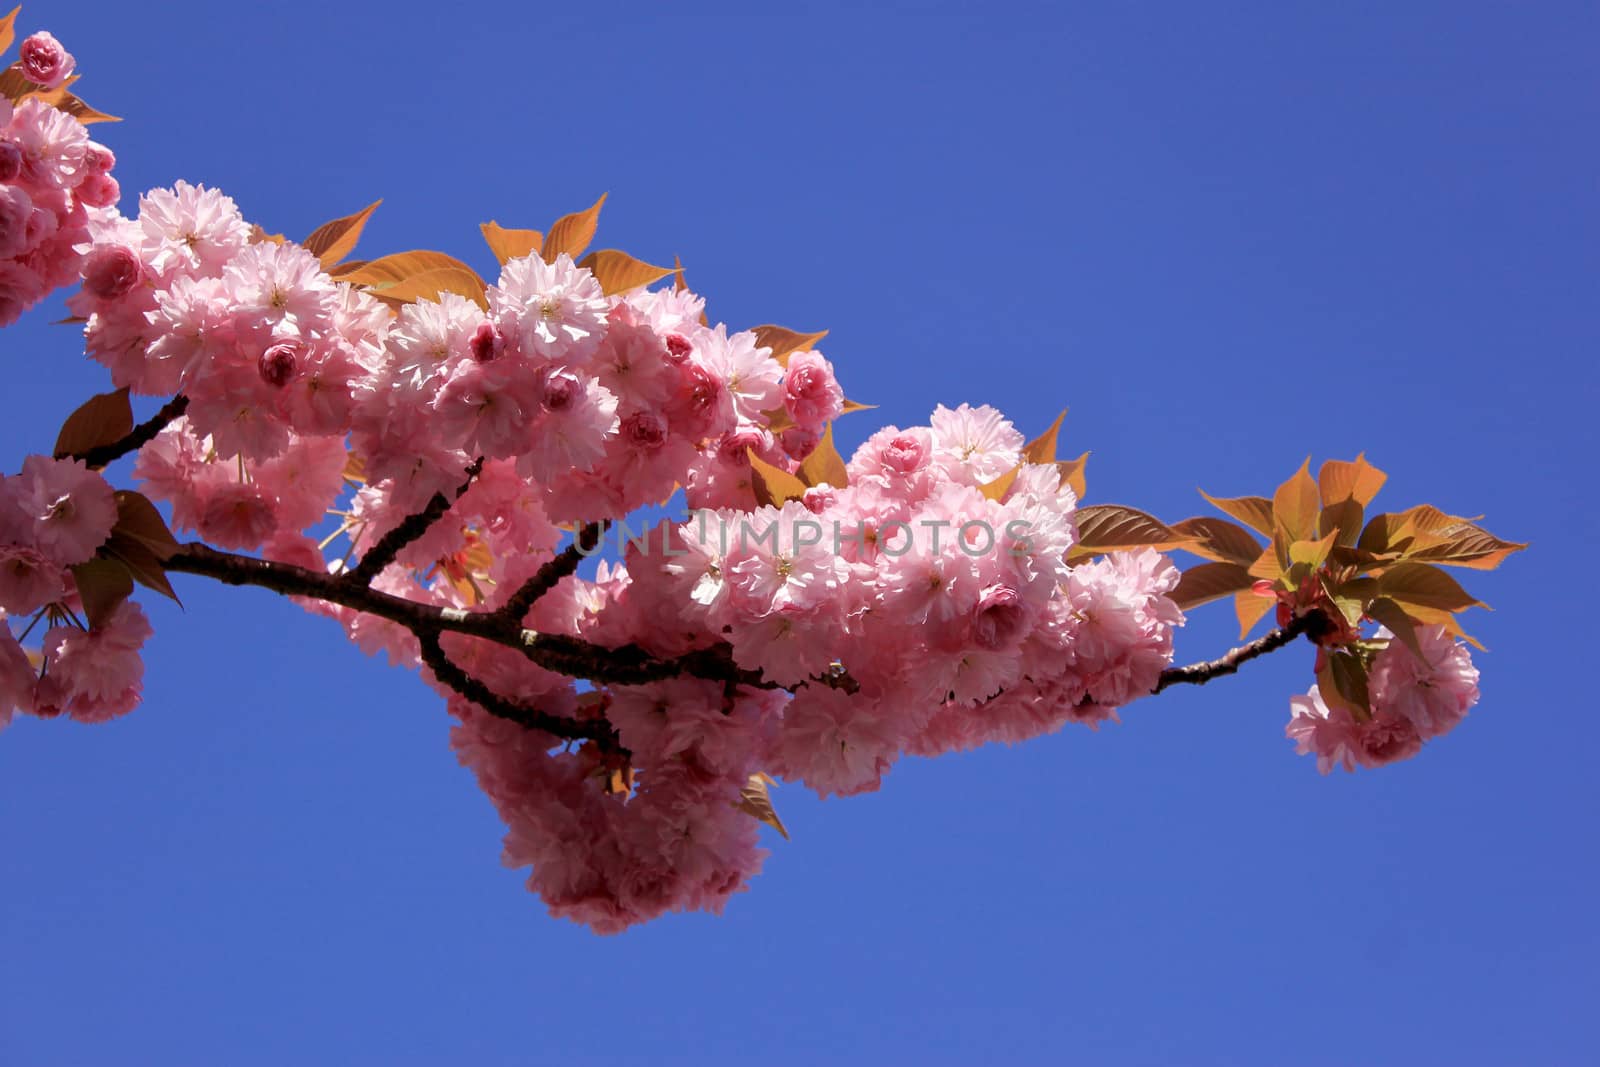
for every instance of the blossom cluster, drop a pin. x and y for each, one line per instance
(55, 515)
(1416, 696)
(53, 182)
(943, 616)
(929, 594)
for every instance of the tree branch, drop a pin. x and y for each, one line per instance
(584, 542)
(136, 438)
(412, 527)
(596, 730)
(1201, 673)
(628, 665)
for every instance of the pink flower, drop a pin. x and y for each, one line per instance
(28, 580)
(10, 158)
(748, 373)
(17, 678)
(111, 271)
(1331, 734)
(16, 216)
(98, 672)
(552, 311)
(1388, 737)
(45, 62)
(20, 289)
(837, 743)
(70, 509)
(811, 394)
(1433, 692)
(974, 445)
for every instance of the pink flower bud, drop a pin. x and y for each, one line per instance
(999, 619)
(45, 62)
(111, 272)
(735, 445)
(278, 363)
(678, 347)
(905, 454)
(98, 190)
(98, 159)
(486, 343)
(645, 430)
(800, 441)
(810, 393)
(559, 391)
(10, 161)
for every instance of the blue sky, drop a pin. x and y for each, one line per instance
(1225, 236)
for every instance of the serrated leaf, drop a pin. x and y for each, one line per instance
(1254, 511)
(511, 244)
(825, 466)
(1206, 582)
(142, 563)
(1388, 613)
(392, 269)
(571, 234)
(260, 236)
(1115, 527)
(618, 272)
(1296, 504)
(755, 801)
(8, 30)
(102, 584)
(1342, 519)
(332, 241)
(1220, 540)
(1251, 607)
(1425, 586)
(773, 485)
(1072, 474)
(1311, 553)
(997, 489)
(1042, 449)
(139, 520)
(1268, 566)
(784, 342)
(1343, 683)
(1468, 546)
(428, 284)
(1341, 480)
(100, 420)
(86, 115)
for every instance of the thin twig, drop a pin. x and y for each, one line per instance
(565, 562)
(412, 527)
(136, 438)
(596, 730)
(1201, 673)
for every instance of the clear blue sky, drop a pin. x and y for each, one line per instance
(1225, 236)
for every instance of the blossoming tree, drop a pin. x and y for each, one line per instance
(426, 458)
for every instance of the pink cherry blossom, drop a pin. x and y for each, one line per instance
(45, 62)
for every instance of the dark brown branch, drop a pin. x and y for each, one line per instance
(597, 730)
(570, 656)
(584, 542)
(135, 438)
(412, 527)
(1201, 673)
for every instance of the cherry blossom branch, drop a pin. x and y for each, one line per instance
(1201, 673)
(136, 438)
(412, 527)
(627, 665)
(584, 542)
(437, 661)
